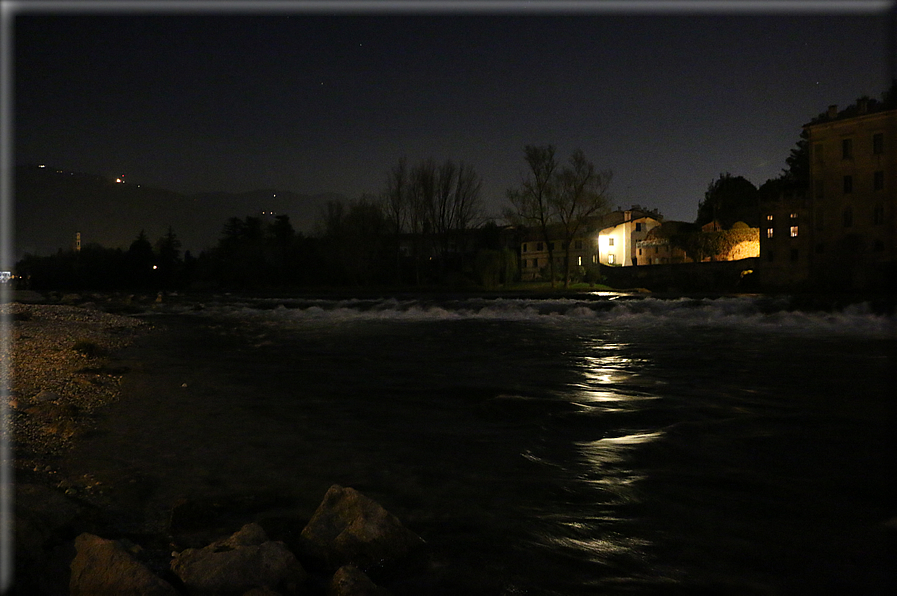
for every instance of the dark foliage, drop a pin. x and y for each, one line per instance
(729, 199)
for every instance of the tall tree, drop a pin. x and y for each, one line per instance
(395, 209)
(581, 193)
(139, 261)
(532, 200)
(729, 199)
(168, 249)
(798, 171)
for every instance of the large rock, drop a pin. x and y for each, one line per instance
(352, 581)
(105, 568)
(242, 562)
(44, 520)
(348, 528)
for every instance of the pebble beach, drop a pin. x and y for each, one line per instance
(61, 371)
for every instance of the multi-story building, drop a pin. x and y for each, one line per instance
(853, 192)
(534, 253)
(840, 232)
(609, 240)
(658, 249)
(617, 244)
(785, 236)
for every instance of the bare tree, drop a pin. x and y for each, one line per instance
(580, 194)
(395, 208)
(468, 205)
(421, 195)
(532, 201)
(457, 204)
(434, 203)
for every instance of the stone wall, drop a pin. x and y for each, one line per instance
(716, 276)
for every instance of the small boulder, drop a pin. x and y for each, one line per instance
(46, 395)
(239, 563)
(104, 567)
(351, 581)
(350, 528)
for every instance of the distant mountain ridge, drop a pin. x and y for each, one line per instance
(51, 205)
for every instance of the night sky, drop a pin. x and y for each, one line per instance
(667, 98)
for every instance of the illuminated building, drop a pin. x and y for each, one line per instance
(607, 240)
(617, 244)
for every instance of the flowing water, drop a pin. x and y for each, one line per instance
(609, 444)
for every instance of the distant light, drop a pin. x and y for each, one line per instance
(118, 180)
(155, 266)
(42, 166)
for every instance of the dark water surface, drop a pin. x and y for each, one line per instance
(541, 446)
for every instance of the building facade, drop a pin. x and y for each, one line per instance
(785, 237)
(606, 240)
(853, 178)
(617, 244)
(658, 248)
(534, 253)
(841, 231)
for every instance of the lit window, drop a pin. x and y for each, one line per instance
(579, 261)
(794, 231)
(610, 258)
(794, 216)
(769, 218)
(769, 232)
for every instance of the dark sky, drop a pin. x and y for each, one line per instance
(667, 98)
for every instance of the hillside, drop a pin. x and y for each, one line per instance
(51, 205)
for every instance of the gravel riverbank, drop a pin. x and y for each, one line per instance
(62, 370)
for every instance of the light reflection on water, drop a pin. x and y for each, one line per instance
(601, 468)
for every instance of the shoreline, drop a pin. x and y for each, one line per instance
(63, 371)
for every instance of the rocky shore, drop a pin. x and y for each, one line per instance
(64, 371)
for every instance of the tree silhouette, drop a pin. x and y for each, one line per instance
(729, 199)
(168, 258)
(532, 200)
(139, 261)
(580, 194)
